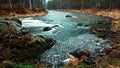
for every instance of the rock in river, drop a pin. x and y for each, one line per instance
(68, 16)
(50, 28)
(47, 29)
(78, 53)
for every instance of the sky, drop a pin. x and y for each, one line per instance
(47, 1)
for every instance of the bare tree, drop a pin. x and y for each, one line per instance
(10, 4)
(30, 4)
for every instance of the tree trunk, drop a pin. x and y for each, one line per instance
(23, 4)
(30, 4)
(10, 4)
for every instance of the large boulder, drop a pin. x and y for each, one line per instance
(16, 45)
(46, 43)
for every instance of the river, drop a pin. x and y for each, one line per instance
(69, 34)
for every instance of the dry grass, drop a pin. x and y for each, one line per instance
(24, 12)
(14, 15)
(116, 26)
(113, 13)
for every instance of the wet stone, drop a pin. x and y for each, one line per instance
(47, 29)
(78, 53)
(79, 24)
(17, 20)
(89, 61)
(68, 16)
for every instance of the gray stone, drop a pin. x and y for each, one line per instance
(47, 29)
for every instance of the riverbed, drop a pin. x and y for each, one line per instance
(71, 33)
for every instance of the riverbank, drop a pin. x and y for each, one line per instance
(112, 13)
(24, 12)
(113, 28)
(108, 29)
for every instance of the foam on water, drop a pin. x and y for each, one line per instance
(35, 23)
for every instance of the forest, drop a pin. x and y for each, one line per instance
(16, 4)
(59, 4)
(78, 4)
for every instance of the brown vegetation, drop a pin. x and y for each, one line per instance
(23, 12)
(20, 47)
(112, 13)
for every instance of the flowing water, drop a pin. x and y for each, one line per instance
(69, 35)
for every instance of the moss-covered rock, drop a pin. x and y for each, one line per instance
(18, 46)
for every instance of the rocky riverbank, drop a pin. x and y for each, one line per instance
(108, 58)
(109, 29)
(18, 46)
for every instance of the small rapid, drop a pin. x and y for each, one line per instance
(69, 34)
(59, 52)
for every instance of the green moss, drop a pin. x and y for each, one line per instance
(14, 65)
(103, 65)
(114, 61)
(23, 54)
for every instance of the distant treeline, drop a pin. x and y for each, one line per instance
(16, 4)
(59, 4)
(79, 4)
